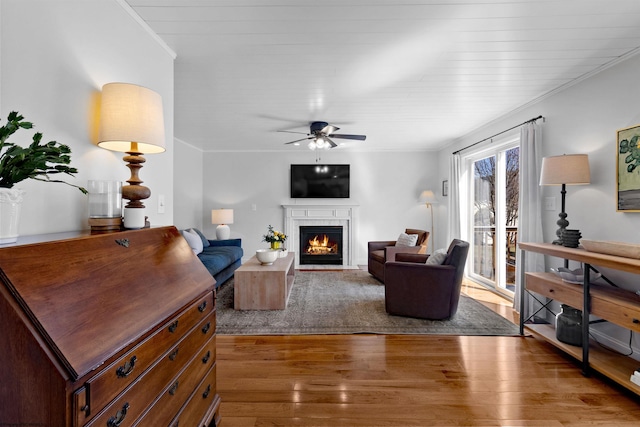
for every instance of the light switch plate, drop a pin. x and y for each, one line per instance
(549, 203)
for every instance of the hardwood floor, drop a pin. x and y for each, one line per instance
(409, 380)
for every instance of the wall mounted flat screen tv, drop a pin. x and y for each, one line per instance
(319, 181)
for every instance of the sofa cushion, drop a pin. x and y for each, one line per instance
(217, 258)
(437, 257)
(193, 240)
(377, 255)
(205, 241)
(405, 239)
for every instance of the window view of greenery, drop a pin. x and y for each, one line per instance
(485, 206)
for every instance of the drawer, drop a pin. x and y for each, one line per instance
(178, 392)
(103, 387)
(202, 401)
(551, 286)
(148, 386)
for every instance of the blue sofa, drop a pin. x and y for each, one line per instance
(220, 257)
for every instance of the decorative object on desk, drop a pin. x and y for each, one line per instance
(429, 198)
(569, 325)
(105, 206)
(283, 252)
(37, 161)
(567, 169)
(574, 276)
(267, 256)
(571, 238)
(132, 122)
(222, 217)
(626, 250)
(274, 237)
(627, 163)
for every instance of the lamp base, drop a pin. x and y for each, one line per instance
(134, 218)
(223, 232)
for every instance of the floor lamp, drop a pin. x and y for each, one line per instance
(567, 169)
(429, 198)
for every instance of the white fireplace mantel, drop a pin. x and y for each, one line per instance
(323, 214)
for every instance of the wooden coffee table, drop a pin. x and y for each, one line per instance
(263, 287)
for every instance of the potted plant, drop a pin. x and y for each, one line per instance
(274, 237)
(38, 161)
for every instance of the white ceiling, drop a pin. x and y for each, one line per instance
(410, 74)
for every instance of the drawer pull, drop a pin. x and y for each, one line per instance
(206, 392)
(173, 326)
(120, 416)
(636, 321)
(206, 357)
(206, 328)
(126, 369)
(173, 389)
(202, 307)
(173, 355)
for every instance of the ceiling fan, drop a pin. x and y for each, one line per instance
(319, 133)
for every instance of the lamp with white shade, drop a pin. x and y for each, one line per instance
(429, 198)
(567, 169)
(132, 122)
(222, 217)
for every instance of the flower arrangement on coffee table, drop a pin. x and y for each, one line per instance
(274, 237)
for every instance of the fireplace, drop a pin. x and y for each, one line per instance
(321, 245)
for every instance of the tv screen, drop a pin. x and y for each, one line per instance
(319, 181)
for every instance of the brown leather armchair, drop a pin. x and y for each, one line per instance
(380, 252)
(415, 289)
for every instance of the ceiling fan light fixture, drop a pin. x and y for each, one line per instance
(312, 145)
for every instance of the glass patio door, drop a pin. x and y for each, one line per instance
(493, 216)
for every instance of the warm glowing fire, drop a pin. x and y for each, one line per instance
(321, 246)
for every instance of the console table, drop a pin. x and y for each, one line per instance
(615, 305)
(107, 330)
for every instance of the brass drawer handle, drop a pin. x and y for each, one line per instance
(173, 326)
(206, 328)
(173, 355)
(120, 416)
(202, 307)
(206, 392)
(206, 357)
(126, 369)
(173, 389)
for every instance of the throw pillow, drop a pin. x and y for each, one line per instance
(407, 239)
(437, 257)
(205, 241)
(193, 240)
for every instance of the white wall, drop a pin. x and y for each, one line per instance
(583, 119)
(55, 57)
(188, 186)
(385, 185)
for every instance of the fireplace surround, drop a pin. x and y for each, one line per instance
(345, 216)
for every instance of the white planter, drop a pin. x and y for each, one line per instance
(10, 202)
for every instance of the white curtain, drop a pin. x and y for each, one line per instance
(529, 208)
(454, 199)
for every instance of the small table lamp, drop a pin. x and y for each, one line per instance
(131, 121)
(568, 169)
(429, 198)
(222, 217)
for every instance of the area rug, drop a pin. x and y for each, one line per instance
(348, 302)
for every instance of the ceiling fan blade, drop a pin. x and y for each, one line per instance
(298, 140)
(346, 136)
(333, 144)
(291, 131)
(329, 129)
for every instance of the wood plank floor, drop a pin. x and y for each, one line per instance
(408, 380)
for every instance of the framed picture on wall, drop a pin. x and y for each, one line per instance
(628, 169)
(445, 188)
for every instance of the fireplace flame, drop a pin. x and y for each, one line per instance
(321, 246)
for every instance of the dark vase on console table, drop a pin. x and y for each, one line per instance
(107, 330)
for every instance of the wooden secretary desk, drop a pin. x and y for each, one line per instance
(107, 330)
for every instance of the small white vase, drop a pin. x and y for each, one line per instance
(10, 202)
